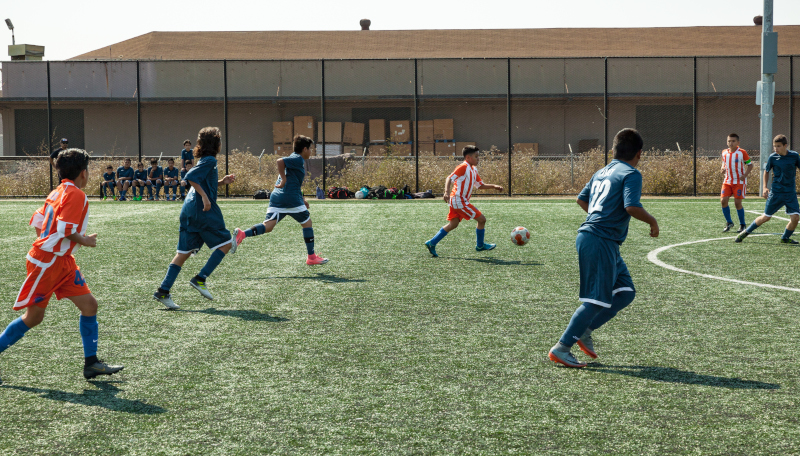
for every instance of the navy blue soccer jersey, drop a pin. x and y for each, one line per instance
(140, 175)
(173, 173)
(192, 217)
(186, 155)
(609, 192)
(122, 172)
(108, 176)
(155, 172)
(183, 174)
(784, 169)
(291, 195)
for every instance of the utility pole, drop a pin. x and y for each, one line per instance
(765, 95)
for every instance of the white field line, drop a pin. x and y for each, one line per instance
(762, 213)
(653, 257)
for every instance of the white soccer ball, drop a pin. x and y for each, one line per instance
(360, 195)
(520, 235)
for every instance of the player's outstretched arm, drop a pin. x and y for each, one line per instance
(493, 186)
(229, 179)
(88, 241)
(639, 213)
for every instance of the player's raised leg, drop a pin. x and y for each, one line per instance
(452, 223)
(163, 294)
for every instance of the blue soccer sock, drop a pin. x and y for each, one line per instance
(255, 230)
(13, 333)
(740, 213)
(213, 261)
(172, 274)
(182, 189)
(752, 227)
(158, 190)
(149, 191)
(620, 301)
(580, 321)
(88, 328)
(479, 233)
(726, 211)
(787, 233)
(308, 236)
(439, 236)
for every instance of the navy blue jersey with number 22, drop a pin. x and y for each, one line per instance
(609, 192)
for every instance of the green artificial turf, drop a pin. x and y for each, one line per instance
(386, 350)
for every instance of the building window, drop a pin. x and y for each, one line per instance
(662, 126)
(30, 127)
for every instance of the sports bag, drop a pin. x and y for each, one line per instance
(378, 192)
(261, 195)
(340, 193)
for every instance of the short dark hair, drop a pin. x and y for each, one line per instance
(470, 150)
(71, 162)
(187, 161)
(733, 135)
(171, 160)
(627, 143)
(781, 139)
(126, 160)
(208, 142)
(300, 142)
(140, 164)
(153, 161)
(109, 167)
(186, 141)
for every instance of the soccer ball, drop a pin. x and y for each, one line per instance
(520, 235)
(360, 195)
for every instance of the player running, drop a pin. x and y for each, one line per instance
(60, 227)
(610, 198)
(201, 219)
(287, 199)
(463, 181)
(736, 166)
(783, 163)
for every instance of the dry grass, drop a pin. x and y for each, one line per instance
(665, 173)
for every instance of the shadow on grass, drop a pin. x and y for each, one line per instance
(672, 375)
(320, 276)
(497, 262)
(247, 315)
(105, 397)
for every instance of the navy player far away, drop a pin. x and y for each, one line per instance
(610, 198)
(783, 164)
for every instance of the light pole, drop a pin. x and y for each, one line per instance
(766, 87)
(11, 27)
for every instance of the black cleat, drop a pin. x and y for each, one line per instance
(789, 241)
(727, 227)
(100, 368)
(741, 228)
(741, 236)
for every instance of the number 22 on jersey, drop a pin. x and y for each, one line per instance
(598, 194)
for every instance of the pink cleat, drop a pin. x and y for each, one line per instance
(238, 237)
(316, 259)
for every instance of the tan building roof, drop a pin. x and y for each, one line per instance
(407, 44)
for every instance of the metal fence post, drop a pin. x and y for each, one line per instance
(225, 118)
(49, 126)
(694, 128)
(416, 129)
(791, 98)
(139, 112)
(508, 118)
(324, 171)
(605, 107)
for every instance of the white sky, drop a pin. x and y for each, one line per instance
(72, 27)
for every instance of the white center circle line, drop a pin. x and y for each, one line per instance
(653, 258)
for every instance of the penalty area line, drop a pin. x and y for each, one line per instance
(653, 258)
(774, 216)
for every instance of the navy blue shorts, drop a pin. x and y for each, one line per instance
(109, 183)
(603, 272)
(778, 200)
(300, 217)
(192, 241)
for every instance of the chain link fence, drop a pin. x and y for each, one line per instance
(544, 125)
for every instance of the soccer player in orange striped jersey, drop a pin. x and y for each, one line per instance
(736, 166)
(457, 190)
(60, 227)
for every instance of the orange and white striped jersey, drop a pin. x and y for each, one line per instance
(465, 179)
(65, 212)
(735, 164)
